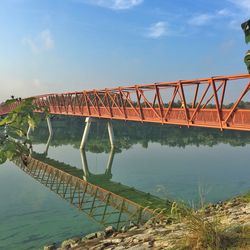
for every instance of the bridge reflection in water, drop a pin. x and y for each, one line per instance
(101, 205)
(93, 177)
(104, 180)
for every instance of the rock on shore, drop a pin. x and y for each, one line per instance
(233, 216)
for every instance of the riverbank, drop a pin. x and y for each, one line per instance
(218, 226)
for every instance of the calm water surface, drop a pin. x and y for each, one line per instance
(222, 171)
(32, 216)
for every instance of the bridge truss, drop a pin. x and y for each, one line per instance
(217, 102)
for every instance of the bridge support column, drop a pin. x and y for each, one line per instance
(28, 132)
(50, 136)
(49, 126)
(110, 162)
(85, 166)
(28, 137)
(88, 122)
(111, 135)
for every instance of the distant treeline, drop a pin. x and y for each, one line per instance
(68, 130)
(179, 104)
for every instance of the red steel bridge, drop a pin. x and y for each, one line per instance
(219, 102)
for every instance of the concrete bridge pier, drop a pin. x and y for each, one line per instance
(28, 137)
(85, 135)
(111, 135)
(88, 122)
(50, 136)
(28, 132)
(108, 171)
(49, 127)
(85, 165)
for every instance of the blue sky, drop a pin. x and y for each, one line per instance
(68, 45)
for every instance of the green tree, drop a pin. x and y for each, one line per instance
(246, 28)
(13, 129)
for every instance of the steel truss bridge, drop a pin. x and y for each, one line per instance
(203, 102)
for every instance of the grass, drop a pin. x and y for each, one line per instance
(203, 234)
(246, 197)
(209, 234)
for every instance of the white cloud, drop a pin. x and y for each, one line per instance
(234, 15)
(114, 4)
(200, 20)
(158, 30)
(47, 40)
(41, 42)
(244, 5)
(224, 13)
(240, 10)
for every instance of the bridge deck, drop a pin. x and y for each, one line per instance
(199, 102)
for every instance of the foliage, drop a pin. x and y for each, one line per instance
(246, 28)
(10, 149)
(21, 117)
(13, 129)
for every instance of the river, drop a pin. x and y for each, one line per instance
(166, 161)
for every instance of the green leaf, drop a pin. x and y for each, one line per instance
(20, 133)
(246, 28)
(31, 122)
(248, 38)
(3, 157)
(18, 121)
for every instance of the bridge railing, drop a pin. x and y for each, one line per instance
(201, 102)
